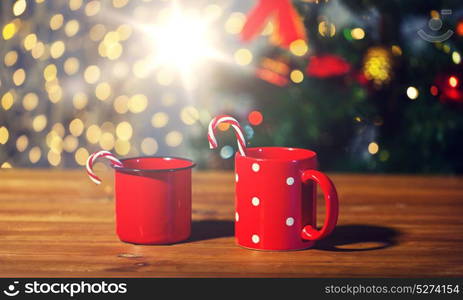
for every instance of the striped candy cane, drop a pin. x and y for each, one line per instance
(238, 132)
(91, 160)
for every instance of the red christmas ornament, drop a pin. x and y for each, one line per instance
(327, 66)
(289, 24)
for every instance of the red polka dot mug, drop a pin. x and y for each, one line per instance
(276, 199)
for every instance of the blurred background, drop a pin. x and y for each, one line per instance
(372, 86)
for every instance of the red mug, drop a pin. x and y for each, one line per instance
(276, 199)
(153, 200)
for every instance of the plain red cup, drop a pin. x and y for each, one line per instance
(153, 200)
(276, 199)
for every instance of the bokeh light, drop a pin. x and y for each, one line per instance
(50, 72)
(373, 148)
(19, 7)
(79, 76)
(22, 142)
(39, 123)
(54, 158)
(377, 66)
(19, 76)
(7, 100)
(97, 32)
(56, 21)
(93, 134)
(80, 100)
(6, 165)
(326, 29)
(357, 33)
(243, 57)
(255, 118)
(396, 50)
(30, 41)
(159, 120)
(124, 131)
(81, 156)
(235, 23)
(11, 57)
(71, 65)
(35, 154)
(149, 146)
(299, 47)
(249, 131)
(122, 147)
(76, 127)
(189, 115)
(92, 8)
(71, 28)
(70, 143)
(9, 30)
(103, 91)
(4, 135)
(453, 81)
(168, 99)
(137, 103)
(92, 74)
(456, 57)
(75, 4)
(226, 152)
(57, 49)
(296, 76)
(107, 141)
(174, 138)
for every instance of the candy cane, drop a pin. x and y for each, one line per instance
(238, 132)
(91, 160)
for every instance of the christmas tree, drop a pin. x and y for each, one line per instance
(368, 93)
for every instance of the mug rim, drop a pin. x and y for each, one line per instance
(310, 154)
(125, 169)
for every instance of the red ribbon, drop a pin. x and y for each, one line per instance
(289, 24)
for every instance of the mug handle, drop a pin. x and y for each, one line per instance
(332, 206)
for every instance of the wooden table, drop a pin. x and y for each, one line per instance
(58, 223)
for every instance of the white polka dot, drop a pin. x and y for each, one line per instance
(255, 238)
(290, 221)
(255, 201)
(255, 167)
(237, 217)
(290, 181)
(236, 177)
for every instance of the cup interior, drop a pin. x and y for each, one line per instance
(156, 164)
(279, 153)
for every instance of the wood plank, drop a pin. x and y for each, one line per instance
(58, 223)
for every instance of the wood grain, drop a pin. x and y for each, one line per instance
(58, 223)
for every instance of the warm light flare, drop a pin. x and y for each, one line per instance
(181, 41)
